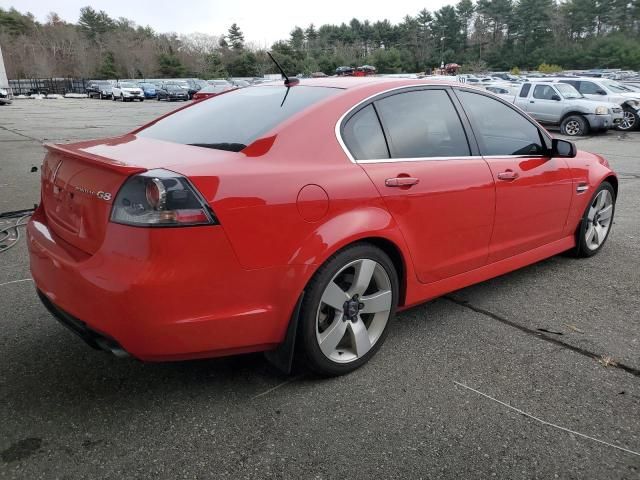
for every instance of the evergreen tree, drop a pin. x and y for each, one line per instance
(236, 38)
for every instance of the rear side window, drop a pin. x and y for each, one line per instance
(364, 137)
(524, 93)
(501, 130)
(422, 123)
(236, 119)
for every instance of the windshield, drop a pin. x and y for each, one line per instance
(568, 91)
(236, 119)
(173, 88)
(147, 85)
(127, 85)
(615, 86)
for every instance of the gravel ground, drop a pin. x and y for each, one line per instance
(427, 406)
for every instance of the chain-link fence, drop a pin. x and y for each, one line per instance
(27, 86)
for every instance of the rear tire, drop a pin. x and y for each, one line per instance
(597, 221)
(347, 309)
(574, 126)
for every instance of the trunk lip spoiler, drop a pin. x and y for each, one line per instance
(96, 160)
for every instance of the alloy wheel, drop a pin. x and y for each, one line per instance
(572, 128)
(628, 121)
(353, 311)
(599, 220)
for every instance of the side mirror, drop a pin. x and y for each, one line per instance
(563, 148)
(556, 98)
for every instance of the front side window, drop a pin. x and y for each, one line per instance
(364, 137)
(544, 92)
(422, 123)
(501, 130)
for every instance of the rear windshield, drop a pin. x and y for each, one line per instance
(236, 119)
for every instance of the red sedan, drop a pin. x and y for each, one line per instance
(272, 218)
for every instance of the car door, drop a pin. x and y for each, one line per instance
(545, 104)
(413, 145)
(522, 98)
(533, 191)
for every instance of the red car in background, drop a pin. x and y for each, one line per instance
(276, 218)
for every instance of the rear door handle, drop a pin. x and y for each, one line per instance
(401, 181)
(508, 175)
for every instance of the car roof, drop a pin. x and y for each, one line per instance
(352, 83)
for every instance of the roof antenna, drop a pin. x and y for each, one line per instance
(287, 81)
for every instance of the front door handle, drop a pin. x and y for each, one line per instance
(508, 175)
(401, 181)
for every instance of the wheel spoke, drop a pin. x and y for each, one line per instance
(602, 197)
(359, 337)
(592, 213)
(330, 338)
(605, 213)
(362, 277)
(596, 235)
(602, 232)
(378, 302)
(590, 233)
(334, 296)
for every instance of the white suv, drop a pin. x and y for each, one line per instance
(127, 91)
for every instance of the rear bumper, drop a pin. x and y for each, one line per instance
(163, 294)
(93, 338)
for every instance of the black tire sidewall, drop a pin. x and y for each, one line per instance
(315, 359)
(582, 249)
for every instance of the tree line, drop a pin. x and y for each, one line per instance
(479, 35)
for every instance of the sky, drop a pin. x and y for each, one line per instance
(261, 21)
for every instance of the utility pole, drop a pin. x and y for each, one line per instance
(4, 81)
(442, 37)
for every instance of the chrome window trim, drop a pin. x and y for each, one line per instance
(418, 159)
(436, 159)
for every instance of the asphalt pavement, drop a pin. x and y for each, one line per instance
(535, 374)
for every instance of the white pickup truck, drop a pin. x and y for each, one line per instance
(605, 90)
(559, 104)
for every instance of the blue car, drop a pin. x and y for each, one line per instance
(149, 89)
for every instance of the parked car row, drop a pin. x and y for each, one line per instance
(165, 89)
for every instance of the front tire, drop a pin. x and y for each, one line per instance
(630, 121)
(574, 126)
(347, 309)
(597, 221)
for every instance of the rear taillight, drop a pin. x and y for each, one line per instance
(159, 198)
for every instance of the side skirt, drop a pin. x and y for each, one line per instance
(422, 292)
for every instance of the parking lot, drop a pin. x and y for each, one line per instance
(559, 341)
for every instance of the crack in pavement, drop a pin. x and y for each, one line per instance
(20, 134)
(542, 336)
